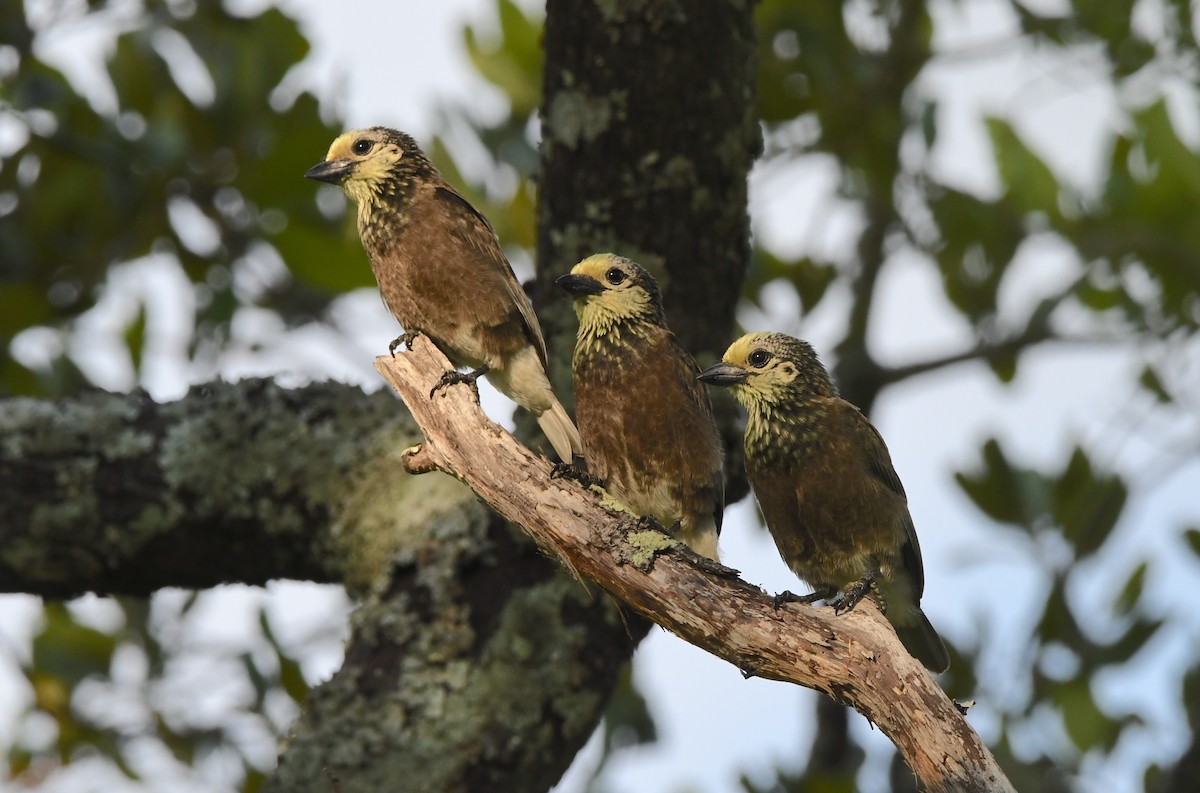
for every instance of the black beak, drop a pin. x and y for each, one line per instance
(723, 374)
(331, 171)
(580, 285)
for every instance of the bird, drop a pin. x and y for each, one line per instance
(442, 273)
(827, 488)
(646, 422)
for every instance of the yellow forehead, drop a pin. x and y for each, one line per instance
(739, 352)
(342, 146)
(595, 266)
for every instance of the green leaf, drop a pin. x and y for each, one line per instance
(978, 242)
(290, 675)
(1131, 593)
(329, 263)
(1004, 365)
(514, 63)
(135, 337)
(1087, 505)
(1002, 492)
(627, 721)
(1028, 181)
(1086, 725)
(68, 650)
(811, 278)
(21, 306)
(1136, 637)
(1150, 381)
(1192, 538)
(254, 781)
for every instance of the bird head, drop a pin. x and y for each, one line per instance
(611, 290)
(771, 370)
(372, 163)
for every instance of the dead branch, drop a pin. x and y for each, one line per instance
(854, 658)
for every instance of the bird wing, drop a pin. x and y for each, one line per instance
(879, 462)
(697, 392)
(488, 245)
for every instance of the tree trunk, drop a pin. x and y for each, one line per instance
(649, 130)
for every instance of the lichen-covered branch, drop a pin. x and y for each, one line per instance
(236, 482)
(855, 658)
(473, 663)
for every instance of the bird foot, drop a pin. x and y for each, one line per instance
(648, 522)
(857, 591)
(787, 596)
(453, 377)
(407, 338)
(575, 473)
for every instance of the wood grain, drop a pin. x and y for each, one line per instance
(854, 658)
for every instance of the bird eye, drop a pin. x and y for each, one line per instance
(614, 276)
(361, 146)
(758, 359)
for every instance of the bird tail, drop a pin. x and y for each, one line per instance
(919, 638)
(703, 540)
(561, 432)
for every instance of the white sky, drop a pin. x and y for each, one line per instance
(385, 63)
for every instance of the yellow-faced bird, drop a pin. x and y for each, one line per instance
(441, 272)
(646, 422)
(827, 488)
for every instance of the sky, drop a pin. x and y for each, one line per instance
(713, 724)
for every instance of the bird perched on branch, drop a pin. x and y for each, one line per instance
(827, 488)
(646, 422)
(441, 272)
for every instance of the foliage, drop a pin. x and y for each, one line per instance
(842, 83)
(196, 157)
(126, 694)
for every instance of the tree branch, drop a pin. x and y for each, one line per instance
(236, 482)
(855, 658)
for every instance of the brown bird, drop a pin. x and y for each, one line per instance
(646, 422)
(827, 488)
(441, 272)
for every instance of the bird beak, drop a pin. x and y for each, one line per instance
(580, 285)
(331, 171)
(723, 374)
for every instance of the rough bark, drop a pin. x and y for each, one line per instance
(117, 494)
(479, 667)
(854, 658)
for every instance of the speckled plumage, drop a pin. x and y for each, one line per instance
(441, 270)
(825, 481)
(645, 420)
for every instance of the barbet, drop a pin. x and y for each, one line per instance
(646, 422)
(827, 487)
(441, 272)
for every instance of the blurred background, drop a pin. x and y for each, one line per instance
(1037, 317)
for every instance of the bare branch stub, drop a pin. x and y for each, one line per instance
(855, 657)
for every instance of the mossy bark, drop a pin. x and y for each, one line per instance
(117, 494)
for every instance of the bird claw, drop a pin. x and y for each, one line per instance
(453, 377)
(787, 596)
(575, 473)
(648, 522)
(857, 591)
(407, 338)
